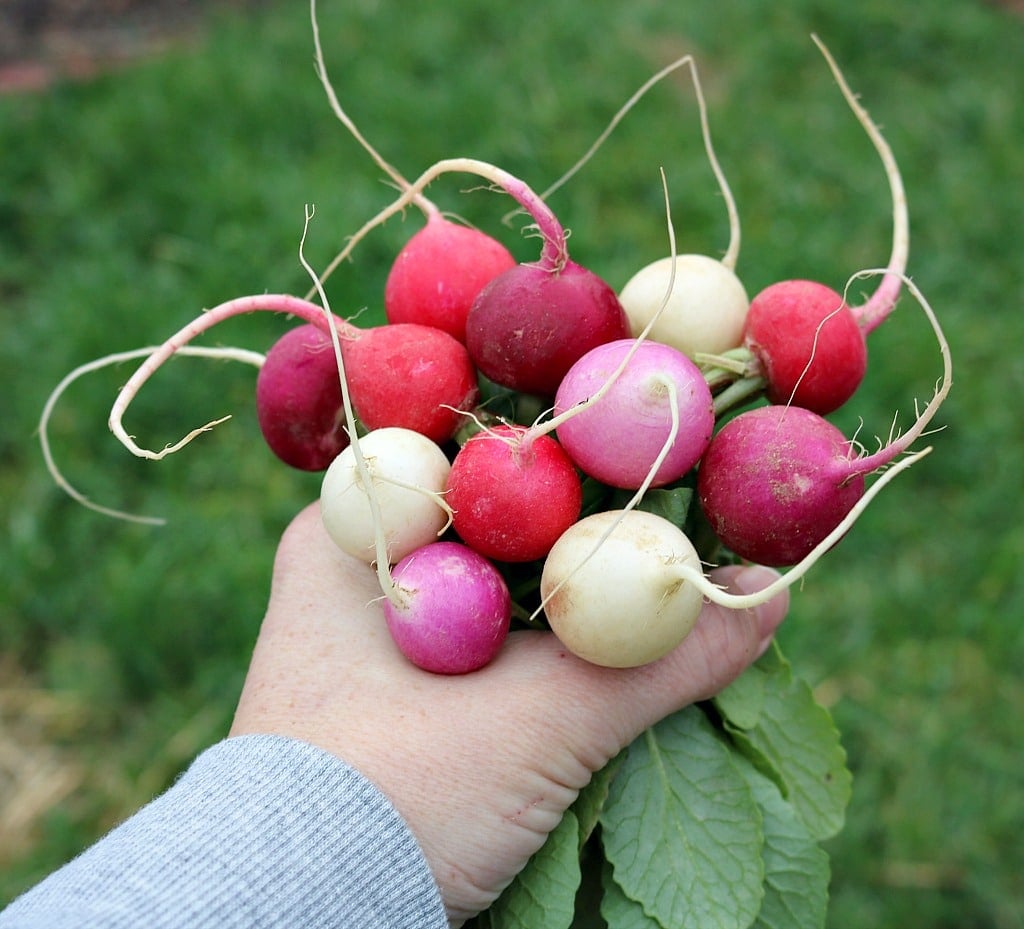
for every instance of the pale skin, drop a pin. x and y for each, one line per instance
(481, 766)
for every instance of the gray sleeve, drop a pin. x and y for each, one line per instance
(260, 832)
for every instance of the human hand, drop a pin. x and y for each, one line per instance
(481, 766)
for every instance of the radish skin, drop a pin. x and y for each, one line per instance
(407, 475)
(512, 494)
(439, 272)
(298, 400)
(617, 438)
(621, 600)
(454, 612)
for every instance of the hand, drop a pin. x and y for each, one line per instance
(481, 766)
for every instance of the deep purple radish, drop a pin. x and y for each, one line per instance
(810, 349)
(531, 323)
(512, 494)
(438, 273)
(616, 431)
(775, 481)
(298, 400)
(450, 610)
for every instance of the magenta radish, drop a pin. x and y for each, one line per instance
(512, 494)
(805, 340)
(614, 589)
(777, 480)
(298, 400)
(439, 272)
(452, 608)
(415, 377)
(618, 437)
(531, 323)
(407, 473)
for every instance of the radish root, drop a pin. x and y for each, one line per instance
(232, 354)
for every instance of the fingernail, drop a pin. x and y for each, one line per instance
(770, 614)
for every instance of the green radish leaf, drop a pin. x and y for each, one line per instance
(592, 798)
(618, 911)
(796, 867)
(742, 701)
(796, 744)
(543, 894)
(682, 830)
(671, 503)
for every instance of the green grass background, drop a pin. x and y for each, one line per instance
(130, 203)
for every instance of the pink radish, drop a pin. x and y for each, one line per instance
(512, 495)
(805, 340)
(617, 438)
(428, 379)
(453, 609)
(298, 400)
(776, 480)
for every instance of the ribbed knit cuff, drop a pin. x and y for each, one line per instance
(260, 831)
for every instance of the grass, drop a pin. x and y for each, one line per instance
(129, 203)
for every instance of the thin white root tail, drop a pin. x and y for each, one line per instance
(746, 601)
(278, 303)
(230, 354)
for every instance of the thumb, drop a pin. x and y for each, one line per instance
(722, 644)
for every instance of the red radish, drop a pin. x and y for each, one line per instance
(777, 480)
(427, 378)
(618, 437)
(438, 273)
(407, 474)
(298, 400)
(512, 494)
(452, 610)
(806, 342)
(615, 588)
(812, 352)
(412, 376)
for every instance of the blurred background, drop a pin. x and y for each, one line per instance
(155, 160)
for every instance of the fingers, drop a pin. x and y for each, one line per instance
(620, 703)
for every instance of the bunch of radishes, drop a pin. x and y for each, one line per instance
(519, 442)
